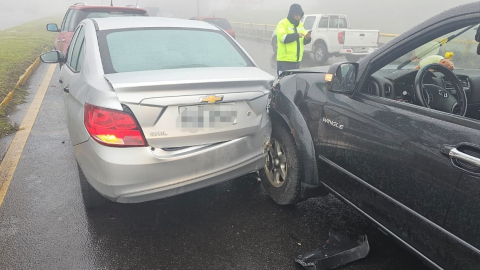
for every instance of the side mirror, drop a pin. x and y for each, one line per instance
(341, 77)
(52, 27)
(52, 57)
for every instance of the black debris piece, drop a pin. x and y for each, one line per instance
(339, 250)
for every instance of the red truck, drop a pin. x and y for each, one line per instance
(80, 11)
(220, 22)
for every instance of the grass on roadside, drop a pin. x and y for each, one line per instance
(19, 47)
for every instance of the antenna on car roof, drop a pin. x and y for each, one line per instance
(214, 8)
(111, 3)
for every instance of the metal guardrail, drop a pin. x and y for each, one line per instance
(256, 29)
(266, 30)
(462, 48)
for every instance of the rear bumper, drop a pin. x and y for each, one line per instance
(235, 171)
(350, 51)
(132, 175)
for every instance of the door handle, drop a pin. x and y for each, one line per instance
(66, 89)
(471, 160)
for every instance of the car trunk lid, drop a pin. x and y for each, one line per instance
(195, 106)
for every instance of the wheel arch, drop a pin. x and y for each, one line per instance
(287, 113)
(320, 41)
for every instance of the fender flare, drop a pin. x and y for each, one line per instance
(284, 108)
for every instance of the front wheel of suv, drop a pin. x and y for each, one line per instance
(91, 198)
(281, 176)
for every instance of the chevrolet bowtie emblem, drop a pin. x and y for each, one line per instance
(211, 99)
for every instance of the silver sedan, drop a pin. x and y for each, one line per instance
(158, 107)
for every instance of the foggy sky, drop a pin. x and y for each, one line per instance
(385, 15)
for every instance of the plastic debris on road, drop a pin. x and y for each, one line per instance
(339, 250)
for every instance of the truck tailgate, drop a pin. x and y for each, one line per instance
(361, 38)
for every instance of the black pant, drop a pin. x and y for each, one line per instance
(284, 66)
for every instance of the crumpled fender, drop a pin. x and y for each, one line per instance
(284, 107)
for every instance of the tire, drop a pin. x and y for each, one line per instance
(320, 54)
(353, 58)
(274, 45)
(287, 190)
(91, 198)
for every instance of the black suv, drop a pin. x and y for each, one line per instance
(396, 136)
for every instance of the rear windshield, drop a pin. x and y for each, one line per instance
(222, 23)
(131, 50)
(91, 14)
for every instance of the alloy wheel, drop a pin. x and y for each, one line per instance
(276, 164)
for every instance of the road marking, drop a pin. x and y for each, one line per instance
(9, 163)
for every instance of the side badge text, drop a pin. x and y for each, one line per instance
(332, 123)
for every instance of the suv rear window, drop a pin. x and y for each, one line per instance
(222, 23)
(131, 50)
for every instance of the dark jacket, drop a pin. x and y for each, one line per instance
(295, 9)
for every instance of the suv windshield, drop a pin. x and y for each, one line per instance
(222, 23)
(157, 49)
(461, 43)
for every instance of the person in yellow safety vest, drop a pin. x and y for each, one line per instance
(291, 37)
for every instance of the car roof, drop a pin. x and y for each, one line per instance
(149, 22)
(343, 15)
(106, 8)
(203, 18)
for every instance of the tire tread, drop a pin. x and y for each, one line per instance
(289, 193)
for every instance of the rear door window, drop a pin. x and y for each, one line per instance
(342, 23)
(333, 23)
(73, 21)
(77, 49)
(66, 20)
(70, 48)
(157, 49)
(81, 57)
(323, 22)
(309, 21)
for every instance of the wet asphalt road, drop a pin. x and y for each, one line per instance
(233, 225)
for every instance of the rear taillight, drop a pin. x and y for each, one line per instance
(112, 127)
(341, 37)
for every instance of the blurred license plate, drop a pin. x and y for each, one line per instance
(359, 50)
(207, 116)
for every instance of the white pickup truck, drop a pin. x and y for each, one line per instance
(331, 36)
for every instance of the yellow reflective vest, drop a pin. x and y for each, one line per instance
(293, 51)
